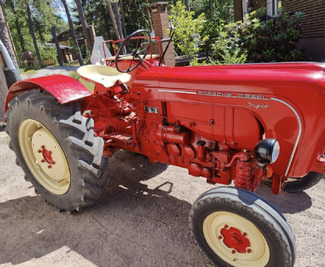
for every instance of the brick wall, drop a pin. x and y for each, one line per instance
(313, 27)
(238, 10)
(314, 23)
(161, 24)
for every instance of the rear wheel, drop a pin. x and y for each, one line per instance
(236, 228)
(57, 149)
(294, 185)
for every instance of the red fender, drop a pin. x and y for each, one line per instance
(65, 89)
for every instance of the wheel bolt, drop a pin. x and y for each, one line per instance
(42, 160)
(233, 252)
(249, 251)
(42, 146)
(39, 151)
(226, 226)
(244, 234)
(219, 237)
(53, 162)
(49, 166)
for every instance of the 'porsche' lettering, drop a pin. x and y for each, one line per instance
(232, 95)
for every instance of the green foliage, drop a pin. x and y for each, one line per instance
(43, 16)
(48, 52)
(187, 35)
(217, 12)
(271, 40)
(227, 51)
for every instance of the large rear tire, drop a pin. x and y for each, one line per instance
(57, 149)
(297, 185)
(235, 227)
(294, 185)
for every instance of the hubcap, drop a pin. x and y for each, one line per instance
(44, 156)
(235, 240)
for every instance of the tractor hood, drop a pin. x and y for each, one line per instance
(286, 98)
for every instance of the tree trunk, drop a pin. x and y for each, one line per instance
(31, 29)
(211, 8)
(6, 37)
(3, 88)
(21, 39)
(149, 16)
(187, 4)
(3, 92)
(109, 5)
(55, 38)
(84, 24)
(72, 32)
(118, 19)
(123, 18)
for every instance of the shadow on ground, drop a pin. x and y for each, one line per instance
(130, 225)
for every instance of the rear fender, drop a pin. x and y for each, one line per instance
(65, 89)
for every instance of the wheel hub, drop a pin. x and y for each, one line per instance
(233, 238)
(46, 149)
(44, 156)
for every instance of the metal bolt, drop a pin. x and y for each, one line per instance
(244, 234)
(42, 160)
(39, 151)
(226, 226)
(219, 237)
(53, 162)
(249, 251)
(49, 166)
(42, 147)
(233, 252)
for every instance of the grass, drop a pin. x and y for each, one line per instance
(77, 77)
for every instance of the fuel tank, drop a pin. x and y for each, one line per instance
(241, 104)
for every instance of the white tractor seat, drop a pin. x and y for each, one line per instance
(105, 75)
(131, 57)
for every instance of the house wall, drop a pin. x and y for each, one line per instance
(313, 27)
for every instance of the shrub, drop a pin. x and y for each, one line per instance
(187, 34)
(260, 40)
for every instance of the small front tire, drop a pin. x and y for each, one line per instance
(234, 227)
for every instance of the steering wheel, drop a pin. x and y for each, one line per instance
(138, 52)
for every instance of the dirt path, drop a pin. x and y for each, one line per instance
(140, 221)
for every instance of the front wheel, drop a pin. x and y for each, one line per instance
(57, 149)
(235, 227)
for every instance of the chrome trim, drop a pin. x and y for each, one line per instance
(177, 91)
(299, 132)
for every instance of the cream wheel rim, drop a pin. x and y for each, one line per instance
(44, 156)
(235, 240)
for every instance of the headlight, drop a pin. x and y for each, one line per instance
(267, 151)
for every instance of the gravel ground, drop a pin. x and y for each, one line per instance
(66, 70)
(140, 221)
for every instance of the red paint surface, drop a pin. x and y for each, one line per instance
(167, 112)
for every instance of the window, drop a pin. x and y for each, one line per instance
(272, 7)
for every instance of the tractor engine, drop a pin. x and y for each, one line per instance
(124, 125)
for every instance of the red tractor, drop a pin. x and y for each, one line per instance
(234, 125)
